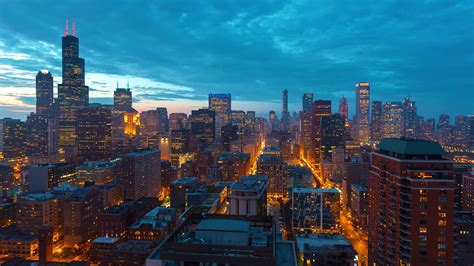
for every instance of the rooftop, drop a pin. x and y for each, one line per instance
(185, 180)
(315, 190)
(220, 224)
(320, 240)
(411, 146)
(106, 240)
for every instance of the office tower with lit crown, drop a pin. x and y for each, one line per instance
(203, 125)
(362, 112)
(376, 124)
(344, 108)
(321, 108)
(392, 120)
(409, 118)
(94, 133)
(306, 122)
(72, 93)
(44, 93)
(411, 199)
(285, 115)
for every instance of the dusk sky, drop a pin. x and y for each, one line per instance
(173, 53)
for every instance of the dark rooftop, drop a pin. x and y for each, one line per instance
(411, 146)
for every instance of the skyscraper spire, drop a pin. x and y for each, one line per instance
(73, 29)
(128, 87)
(66, 30)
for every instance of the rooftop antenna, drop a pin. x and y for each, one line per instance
(66, 30)
(117, 84)
(128, 87)
(73, 29)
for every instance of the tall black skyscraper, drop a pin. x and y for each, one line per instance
(44, 93)
(122, 99)
(72, 93)
(376, 129)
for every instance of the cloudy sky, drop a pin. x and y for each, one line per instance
(173, 53)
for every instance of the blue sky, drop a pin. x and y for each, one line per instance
(174, 53)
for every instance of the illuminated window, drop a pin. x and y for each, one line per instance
(442, 223)
(442, 214)
(422, 229)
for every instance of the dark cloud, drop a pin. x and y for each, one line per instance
(255, 49)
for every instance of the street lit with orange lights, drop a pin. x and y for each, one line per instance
(357, 238)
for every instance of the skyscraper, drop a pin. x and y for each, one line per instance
(94, 134)
(272, 119)
(285, 115)
(411, 199)
(362, 112)
(44, 93)
(332, 134)
(72, 93)
(306, 122)
(444, 129)
(163, 121)
(203, 125)
(320, 108)
(392, 120)
(376, 123)
(221, 104)
(41, 139)
(344, 108)
(122, 99)
(409, 118)
(12, 139)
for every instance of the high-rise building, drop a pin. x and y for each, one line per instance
(44, 93)
(344, 108)
(409, 118)
(461, 132)
(306, 122)
(72, 93)
(45, 177)
(203, 125)
(362, 112)
(41, 139)
(122, 99)
(376, 122)
(392, 120)
(36, 210)
(320, 108)
(272, 120)
(12, 139)
(444, 130)
(429, 129)
(248, 197)
(229, 134)
(285, 115)
(141, 174)
(276, 170)
(332, 135)
(149, 123)
(411, 190)
(180, 144)
(163, 121)
(178, 121)
(221, 104)
(94, 134)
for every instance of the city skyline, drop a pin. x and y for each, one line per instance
(173, 72)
